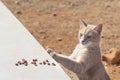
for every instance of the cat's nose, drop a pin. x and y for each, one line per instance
(83, 41)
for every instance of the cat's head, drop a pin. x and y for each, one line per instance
(89, 35)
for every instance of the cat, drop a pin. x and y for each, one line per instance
(85, 61)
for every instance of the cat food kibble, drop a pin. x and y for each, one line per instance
(48, 64)
(47, 61)
(16, 64)
(53, 64)
(25, 62)
(19, 62)
(40, 63)
(34, 62)
(44, 62)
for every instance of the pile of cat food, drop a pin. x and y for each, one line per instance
(34, 62)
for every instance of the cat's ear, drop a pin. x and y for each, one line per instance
(98, 28)
(82, 24)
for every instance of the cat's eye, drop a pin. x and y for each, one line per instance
(81, 34)
(88, 36)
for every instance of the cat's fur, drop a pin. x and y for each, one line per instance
(85, 60)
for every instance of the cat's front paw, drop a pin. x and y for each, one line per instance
(51, 52)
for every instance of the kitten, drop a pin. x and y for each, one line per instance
(85, 60)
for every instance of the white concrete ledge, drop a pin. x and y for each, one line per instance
(16, 43)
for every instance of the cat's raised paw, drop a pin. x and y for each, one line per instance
(49, 50)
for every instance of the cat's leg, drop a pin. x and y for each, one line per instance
(76, 67)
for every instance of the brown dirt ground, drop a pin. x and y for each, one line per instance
(55, 23)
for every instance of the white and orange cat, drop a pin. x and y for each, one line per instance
(85, 61)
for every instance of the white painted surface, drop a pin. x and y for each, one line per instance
(17, 43)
